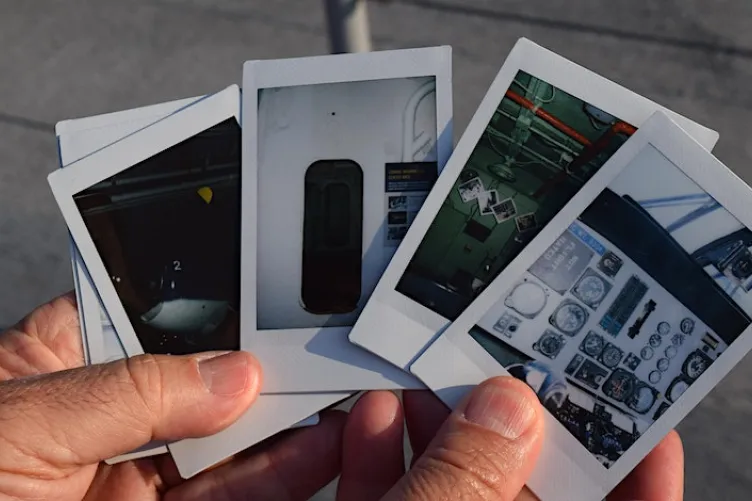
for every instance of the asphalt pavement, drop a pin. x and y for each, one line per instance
(63, 59)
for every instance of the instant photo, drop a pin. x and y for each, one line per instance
(628, 308)
(167, 230)
(349, 163)
(539, 149)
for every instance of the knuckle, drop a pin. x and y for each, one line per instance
(144, 377)
(470, 468)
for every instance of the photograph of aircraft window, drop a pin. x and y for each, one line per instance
(539, 149)
(168, 232)
(610, 330)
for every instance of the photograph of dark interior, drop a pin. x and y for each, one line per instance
(539, 149)
(168, 232)
(610, 330)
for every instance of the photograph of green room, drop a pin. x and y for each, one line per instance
(540, 147)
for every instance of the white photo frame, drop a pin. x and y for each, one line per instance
(706, 328)
(394, 324)
(121, 156)
(79, 138)
(314, 354)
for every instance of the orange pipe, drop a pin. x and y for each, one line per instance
(587, 155)
(566, 129)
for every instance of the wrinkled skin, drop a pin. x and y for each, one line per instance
(58, 427)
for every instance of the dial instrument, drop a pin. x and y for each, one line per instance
(687, 326)
(642, 399)
(611, 356)
(663, 364)
(655, 341)
(619, 385)
(591, 288)
(569, 317)
(593, 344)
(695, 364)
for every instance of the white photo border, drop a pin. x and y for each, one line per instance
(396, 327)
(122, 155)
(577, 474)
(337, 365)
(76, 141)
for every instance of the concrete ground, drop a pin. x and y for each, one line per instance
(69, 58)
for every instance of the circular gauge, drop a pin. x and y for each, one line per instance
(655, 340)
(528, 299)
(593, 344)
(676, 389)
(642, 399)
(591, 289)
(664, 328)
(663, 364)
(619, 386)
(677, 339)
(646, 353)
(569, 317)
(670, 352)
(549, 345)
(696, 364)
(654, 377)
(611, 356)
(687, 326)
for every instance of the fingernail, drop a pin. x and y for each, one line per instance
(225, 375)
(501, 407)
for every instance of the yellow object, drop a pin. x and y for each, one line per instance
(206, 193)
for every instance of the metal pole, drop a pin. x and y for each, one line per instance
(348, 26)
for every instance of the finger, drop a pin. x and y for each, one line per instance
(659, 477)
(46, 340)
(424, 415)
(86, 415)
(485, 450)
(292, 469)
(373, 457)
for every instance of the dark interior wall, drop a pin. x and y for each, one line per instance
(462, 244)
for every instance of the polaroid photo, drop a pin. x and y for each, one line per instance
(84, 290)
(79, 138)
(269, 415)
(155, 218)
(344, 150)
(526, 222)
(470, 190)
(545, 127)
(486, 201)
(617, 353)
(504, 210)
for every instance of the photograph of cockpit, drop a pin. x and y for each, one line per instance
(168, 232)
(628, 308)
(540, 147)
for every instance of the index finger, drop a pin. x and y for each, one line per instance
(659, 477)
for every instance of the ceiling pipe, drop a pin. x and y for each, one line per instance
(544, 115)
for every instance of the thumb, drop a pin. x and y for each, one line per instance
(485, 450)
(83, 416)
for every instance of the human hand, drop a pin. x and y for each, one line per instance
(58, 426)
(454, 458)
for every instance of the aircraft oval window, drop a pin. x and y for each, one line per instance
(332, 237)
